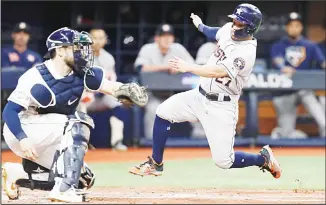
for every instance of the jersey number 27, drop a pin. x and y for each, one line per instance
(224, 81)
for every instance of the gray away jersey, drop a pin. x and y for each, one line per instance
(107, 62)
(237, 57)
(151, 55)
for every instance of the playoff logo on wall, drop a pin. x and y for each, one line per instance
(270, 80)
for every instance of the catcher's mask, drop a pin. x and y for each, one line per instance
(81, 43)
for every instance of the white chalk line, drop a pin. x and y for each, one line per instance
(259, 197)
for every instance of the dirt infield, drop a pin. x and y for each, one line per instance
(122, 195)
(118, 195)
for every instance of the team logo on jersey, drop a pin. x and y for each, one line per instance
(30, 58)
(13, 57)
(239, 63)
(295, 55)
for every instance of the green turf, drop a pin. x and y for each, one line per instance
(298, 173)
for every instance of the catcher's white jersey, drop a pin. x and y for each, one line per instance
(22, 93)
(237, 58)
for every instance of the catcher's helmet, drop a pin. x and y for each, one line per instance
(81, 42)
(249, 15)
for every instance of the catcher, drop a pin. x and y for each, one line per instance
(42, 125)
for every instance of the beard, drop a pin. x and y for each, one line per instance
(70, 64)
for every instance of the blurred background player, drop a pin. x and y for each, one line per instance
(101, 102)
(18, 55)
(204, 52)
(153, 57)
(294, 53)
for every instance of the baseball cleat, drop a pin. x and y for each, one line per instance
(11, 172)
(71, 195)
(271, 163)
(149, 167)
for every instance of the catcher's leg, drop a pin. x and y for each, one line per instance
(67, 167)
(45, 131)
(174, 110)
(39, 177)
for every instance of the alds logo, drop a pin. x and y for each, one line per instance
(271, 80)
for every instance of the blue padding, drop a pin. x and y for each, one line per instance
(41, 94)
(10, 76)
(93, 78)
(188, 142)
(310, 142)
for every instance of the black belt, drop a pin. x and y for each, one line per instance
(213, 97)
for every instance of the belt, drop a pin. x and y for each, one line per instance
(213, 96)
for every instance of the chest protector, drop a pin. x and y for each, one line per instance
(67, 92)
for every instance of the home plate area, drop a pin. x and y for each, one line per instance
(150, 195)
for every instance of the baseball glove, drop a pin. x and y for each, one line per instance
(131, 93)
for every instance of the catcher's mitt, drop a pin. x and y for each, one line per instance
(132, 93)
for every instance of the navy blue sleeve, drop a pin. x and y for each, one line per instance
(209, 32)
(10, 116)
(277, 56)
(318, 54)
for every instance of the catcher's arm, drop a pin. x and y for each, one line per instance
(128, 94)
(109, 87)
